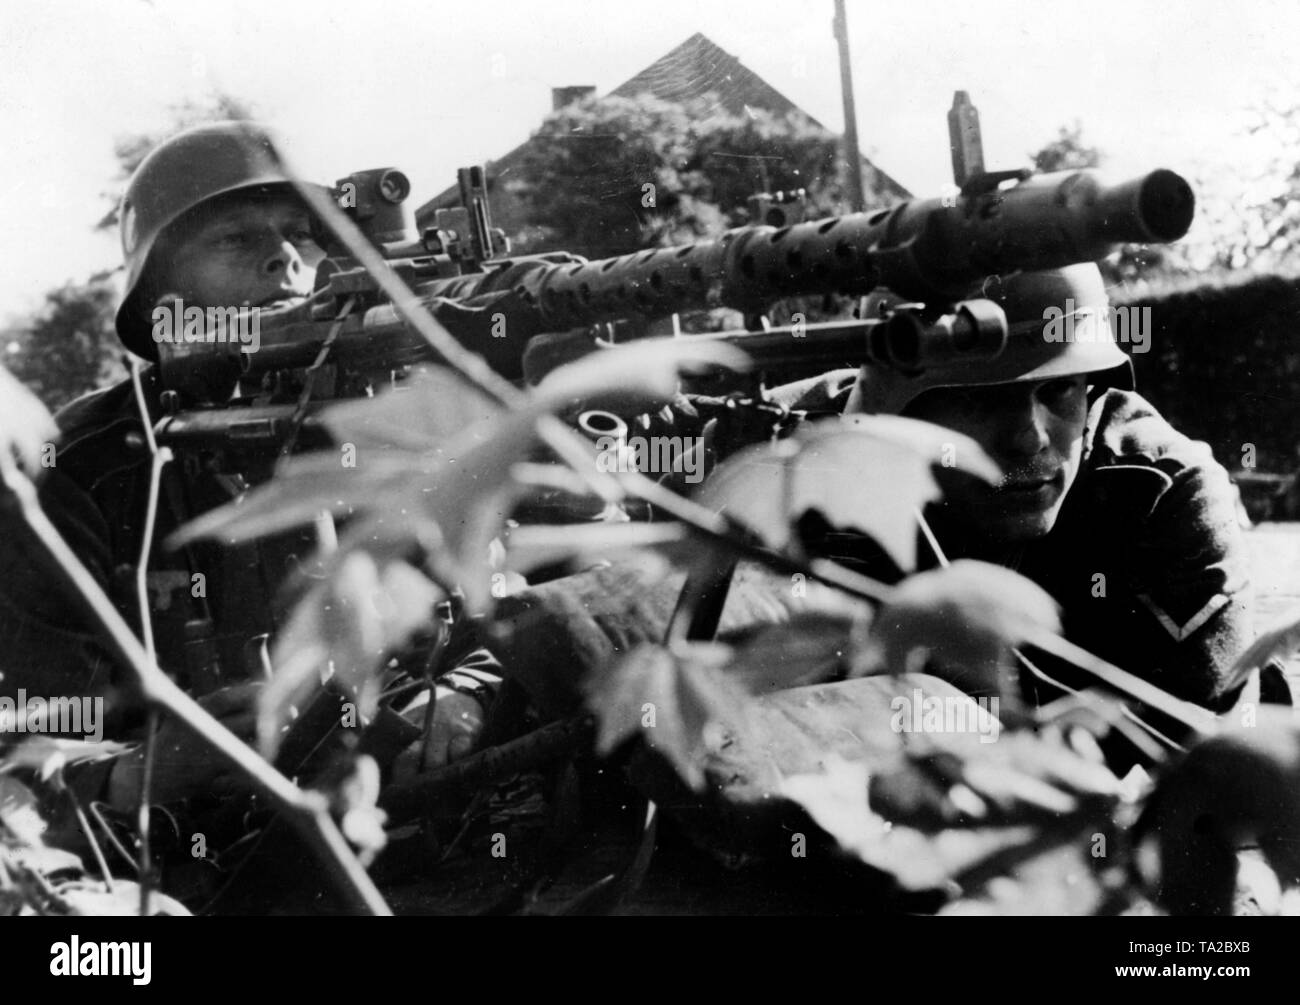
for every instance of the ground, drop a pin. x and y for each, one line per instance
(1275, 549)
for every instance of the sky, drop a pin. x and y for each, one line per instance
(431, 85)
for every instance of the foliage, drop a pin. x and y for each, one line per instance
(71, 346)
(706, 700)
(40, 878)
(1249, 207)
(1067, 152)
(1220, 366)
(441, 468)
(606, 177)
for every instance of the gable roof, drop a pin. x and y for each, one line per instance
(695, 68)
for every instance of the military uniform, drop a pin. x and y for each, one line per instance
(1146, 559)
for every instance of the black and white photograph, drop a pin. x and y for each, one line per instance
(713, 458)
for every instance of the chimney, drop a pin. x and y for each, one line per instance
(561, 96)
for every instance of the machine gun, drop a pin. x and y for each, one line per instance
(527, 314)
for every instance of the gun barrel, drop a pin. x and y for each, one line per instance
(1159, 205)
(923, 250)
(934, 251)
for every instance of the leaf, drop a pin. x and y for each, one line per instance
(837, 800)
(303, 488)
(668, 699)
(456, 492)
(19, 812)
(1280, 641)
(94, 900)
(535, 545)
(1236, 789)
(355, 803)
(807, 649)
(635, 375)
(869, 473)
(350, 623)
(430, 407)
(472, 497)
(43, 859)
(959, 623)
(26, 426)
(50, 754)
(554, 635)
(1020, 778)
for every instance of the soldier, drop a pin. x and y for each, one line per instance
(1127, 523)
(205, 220)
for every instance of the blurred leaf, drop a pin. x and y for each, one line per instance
(355, 803)
(1033, 807)
(471, 498)
(959, 623)
(454, 489)
(349, 624)
(303, 488)
(554, 635)
(535, 545)
(25, 424)
(1281, 642)
(43, 859)
(836, 799)
(94, 900)
(431, 407)
(1237, 789)
(808, 649)
(19, 813)
(869, 473)
(635, 375)
(50, 754)
(1020, 778)
(669, 699)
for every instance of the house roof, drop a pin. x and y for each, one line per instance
(693, 69)
(697, 67)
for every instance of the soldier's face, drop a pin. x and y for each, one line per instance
(253, 251)
(1034, 431)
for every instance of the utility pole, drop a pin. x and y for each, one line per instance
(851, 154)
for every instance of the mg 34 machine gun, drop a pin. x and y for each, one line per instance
(526, 314)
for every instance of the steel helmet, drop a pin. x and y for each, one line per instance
(180, 173)
(1058, 325)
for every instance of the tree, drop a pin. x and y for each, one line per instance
(610, 176)
(1132, 262)
(1067, 152)
(70, 346)
(1250, 210)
